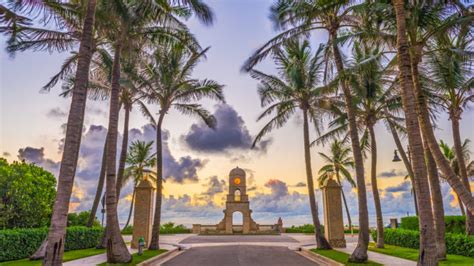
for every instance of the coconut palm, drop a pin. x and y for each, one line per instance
(374, 101)
(428, 255)
(166, 82)
(338, 162)
(432, 20)
(450, 75)
(59, 41)
(301, 17)
(139, 160)
(295, 90)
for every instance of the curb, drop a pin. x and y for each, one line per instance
(158, 260)
(318, 258)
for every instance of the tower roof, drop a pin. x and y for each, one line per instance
(237, 172)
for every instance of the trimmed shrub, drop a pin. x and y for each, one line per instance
(309, 229)
(167, 228)
(455, 243)
(454, 224)
(21, 243)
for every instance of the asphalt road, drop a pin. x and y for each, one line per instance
(239, 256)
(237, 238)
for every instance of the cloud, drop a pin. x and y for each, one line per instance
(404, 186)
(229, 134)
(176, 169)
(214, 186)
(56, 113)
(6, 154)
(300, 184)
(393, 173)
(278, 188)
(36, 156)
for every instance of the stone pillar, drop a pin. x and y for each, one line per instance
(393, 223)
(143, 212)
(333, 223)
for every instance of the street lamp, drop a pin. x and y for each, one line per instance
(395, 157)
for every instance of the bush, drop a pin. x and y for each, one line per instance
(455, 243)
(309, 229)
(454, 224)
(167, 228)
(27, 194)
(80, 219)
(127, 230)
(22, 243)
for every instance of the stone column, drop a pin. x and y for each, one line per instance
(143, 212)
(333, 223)
(393, 223)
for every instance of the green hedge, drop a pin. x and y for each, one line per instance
(454, 224)
(455, 243)
(167, 228)
(309, 229)
(22, 243)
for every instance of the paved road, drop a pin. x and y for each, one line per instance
(239, 256)
(237, 238)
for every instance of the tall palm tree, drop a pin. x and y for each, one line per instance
(372, 103)
(450, 74)
(295, 89)
(338, 162)
(166, 82)
(428, 255)
(24, 37)
(139, 160)
(427, 21)
(301, 17)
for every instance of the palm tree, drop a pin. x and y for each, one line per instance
(428, 254)
(450, 154)
(166, 81)
(59, 41)
(338, 162)
(295, 90)
(372, 103)
(431, 20)
(139, 160)
(302, 17)
(449, 73)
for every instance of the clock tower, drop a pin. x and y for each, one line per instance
(237, 201)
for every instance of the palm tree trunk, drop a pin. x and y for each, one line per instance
(155, 233)
(461, 207)
(462, 166)
(349, 221)
(427, 249)
(321, 241)
(100, 188)
(131, 207)
(437, 203)
(375, 189)
(360, 252)
(57, 230)
(428, 134)
(123, 152)
(406, 162)
(117, 251)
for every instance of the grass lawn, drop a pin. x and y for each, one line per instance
(412, 254)
(68, 256)
(137, 259)
(341, 257)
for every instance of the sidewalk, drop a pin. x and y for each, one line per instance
(166, 242)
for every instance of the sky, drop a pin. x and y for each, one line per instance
(198, 160)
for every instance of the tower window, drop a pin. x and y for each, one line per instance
(237, 195)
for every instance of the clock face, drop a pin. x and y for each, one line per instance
(237, 180)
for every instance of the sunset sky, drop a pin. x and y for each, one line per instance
(197, 159)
